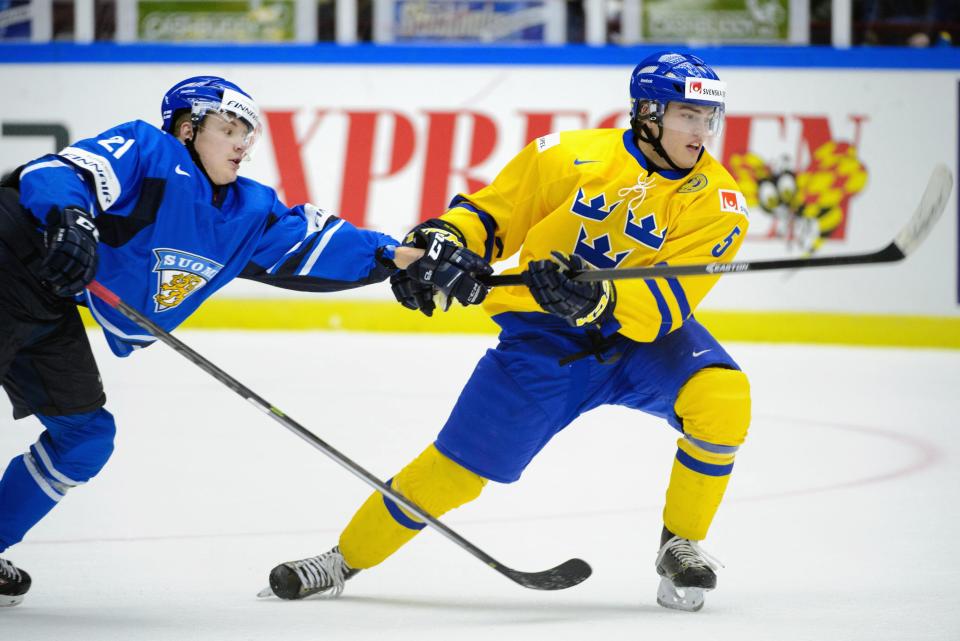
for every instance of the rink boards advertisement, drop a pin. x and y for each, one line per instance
(829, 160)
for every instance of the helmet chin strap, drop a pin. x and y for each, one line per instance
(643, 132)
(189, 144)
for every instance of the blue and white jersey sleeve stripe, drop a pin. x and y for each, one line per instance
(94, 174)
(308, 249)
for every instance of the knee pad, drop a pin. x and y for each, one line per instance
(714, 406)
(436, 483)
(73, 449)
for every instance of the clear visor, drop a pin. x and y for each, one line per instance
(237, 129)
(693, 119)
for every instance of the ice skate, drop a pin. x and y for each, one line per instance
(321, 574)
(14, 584)
(687, 573)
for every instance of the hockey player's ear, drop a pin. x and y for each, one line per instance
(185, 131)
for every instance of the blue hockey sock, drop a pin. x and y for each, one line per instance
(22, 502)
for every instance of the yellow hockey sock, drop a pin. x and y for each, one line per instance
(697, 484)
(715, 408)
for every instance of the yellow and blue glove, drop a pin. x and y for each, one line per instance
(580, 303)
(447, 270)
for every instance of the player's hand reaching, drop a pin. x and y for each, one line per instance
(453, 270)
(580, 303)
(71, 238)
(446, 271)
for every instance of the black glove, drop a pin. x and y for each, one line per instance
(71, 261)
(452, 270)
(580, 303)
(412, 294)
(448, 268)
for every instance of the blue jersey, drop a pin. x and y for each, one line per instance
(169, 239)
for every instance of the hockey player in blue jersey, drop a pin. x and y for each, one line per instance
(162, 219)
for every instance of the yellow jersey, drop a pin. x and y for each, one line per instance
(589, 193)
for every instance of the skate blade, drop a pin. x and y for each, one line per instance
(10, 601)
(674, 598)
(265, 593)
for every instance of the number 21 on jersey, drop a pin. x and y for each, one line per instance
(116, 145)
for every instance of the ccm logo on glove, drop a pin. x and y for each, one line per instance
(71, 238)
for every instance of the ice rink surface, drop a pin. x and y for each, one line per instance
(841, 521)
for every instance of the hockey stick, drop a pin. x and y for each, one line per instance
(565, 575)
(931, 206)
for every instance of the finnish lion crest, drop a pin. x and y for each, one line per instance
(179, 274)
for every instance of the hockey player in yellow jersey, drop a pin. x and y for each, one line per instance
(606, 198)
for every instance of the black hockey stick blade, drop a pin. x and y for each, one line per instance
(932, 204)
(565, 575)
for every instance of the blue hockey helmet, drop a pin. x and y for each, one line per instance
(665, 77)
(203, 95)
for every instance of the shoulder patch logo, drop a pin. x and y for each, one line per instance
(732, 201)
(545, 142)
(696, 183)
(179, 274)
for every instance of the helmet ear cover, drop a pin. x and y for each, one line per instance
(646, 109)
(643, 112)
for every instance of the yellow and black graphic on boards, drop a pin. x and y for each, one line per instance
(809, 205)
